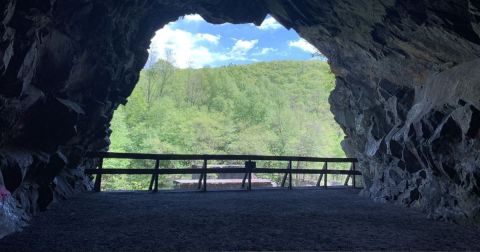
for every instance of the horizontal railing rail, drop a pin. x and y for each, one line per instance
(250, 167)
(147, 156)
(164, 171)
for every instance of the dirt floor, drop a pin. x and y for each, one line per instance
(302, 219)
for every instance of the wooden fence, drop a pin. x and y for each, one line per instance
(250, 167)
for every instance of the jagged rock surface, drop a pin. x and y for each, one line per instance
(407, 93)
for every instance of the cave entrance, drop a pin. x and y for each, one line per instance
(227, 89)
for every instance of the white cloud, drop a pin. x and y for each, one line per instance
(239, 51)
(270, 24)
(265, 51)
(242, 47)
(188, 49)
(185, 49)
(193, 18)
(209, 37)
(303, 45)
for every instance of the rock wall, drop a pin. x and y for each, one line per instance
(406, 94)
(66, 66)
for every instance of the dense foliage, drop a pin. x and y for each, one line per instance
(271, 108)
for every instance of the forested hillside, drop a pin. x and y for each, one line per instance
(274, 108)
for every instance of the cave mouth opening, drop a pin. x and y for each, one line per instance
(67, 67)
(227, 89)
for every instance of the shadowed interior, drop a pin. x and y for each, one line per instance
(407, 88)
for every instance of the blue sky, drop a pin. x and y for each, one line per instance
(192, 42)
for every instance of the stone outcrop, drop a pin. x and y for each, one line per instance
(407, 92)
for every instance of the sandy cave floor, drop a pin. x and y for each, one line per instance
(299, 219)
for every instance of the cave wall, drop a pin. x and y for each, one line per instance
(407, 96)
(407, 92)
(66, 66)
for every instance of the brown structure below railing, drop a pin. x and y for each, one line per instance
(250, 167)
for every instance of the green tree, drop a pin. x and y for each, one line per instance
(269, 108)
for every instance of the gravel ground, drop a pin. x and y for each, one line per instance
(331, 219)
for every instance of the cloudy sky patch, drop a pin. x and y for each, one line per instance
(193, 18)
(191, 42)
(270, 24)
(303, 45)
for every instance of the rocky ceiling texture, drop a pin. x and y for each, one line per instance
(407, 92)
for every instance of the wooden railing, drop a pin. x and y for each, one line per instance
(250, 167)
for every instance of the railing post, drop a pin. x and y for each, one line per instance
(150, 187)
(284, 179)
(248, 165)
(244, 178)
(98, 178)
(152, 180)
(200, 179)
(204, 175)
(157, 166)
(353, 176)
(321, 175)
(348, 177)
(290, 175)
(325, 177)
